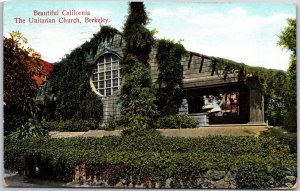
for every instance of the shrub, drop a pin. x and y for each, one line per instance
(113, 125)
(176, 122)
(29, 129)
(256, 162)
(287, 138)
(70, 125)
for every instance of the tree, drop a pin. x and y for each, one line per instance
(287, 39)
(275, 97)
(20, 64)
(137, 97)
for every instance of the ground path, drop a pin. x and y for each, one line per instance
(234, 130)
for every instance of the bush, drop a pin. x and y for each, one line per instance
(287, 138)
(176, 122)
(113, 125)
(70, 125)
(29, 129)
(256, 162)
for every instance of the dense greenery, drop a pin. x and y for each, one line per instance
(287, 138)
(137, 97)
(20, 64)
(276, 98)
(176, 122)
(256, 162)
(35, 128)
(71, 125)
(69, 82)
(287, 39)
(31, 128)
(170, 84)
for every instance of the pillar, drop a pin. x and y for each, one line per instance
(256, 102)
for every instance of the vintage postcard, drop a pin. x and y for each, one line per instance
(150, 94)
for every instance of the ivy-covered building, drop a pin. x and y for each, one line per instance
(211, 93)
(214, 90)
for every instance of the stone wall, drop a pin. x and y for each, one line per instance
(211, 179)
(111, 108)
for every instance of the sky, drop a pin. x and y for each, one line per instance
(243, 32)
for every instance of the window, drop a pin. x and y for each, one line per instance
(106, 75)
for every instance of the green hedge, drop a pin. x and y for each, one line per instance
(70, 125)
(77, 125)
(257, 162)
(176, 122)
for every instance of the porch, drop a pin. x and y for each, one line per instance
(238, 103)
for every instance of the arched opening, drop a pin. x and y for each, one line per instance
(106, 79)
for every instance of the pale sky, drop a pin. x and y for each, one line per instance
(243, 32)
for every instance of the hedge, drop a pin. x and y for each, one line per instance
(176, 122)
(78, 125)
(257, 162)
(70, 125)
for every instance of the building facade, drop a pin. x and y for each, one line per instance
(208, 96)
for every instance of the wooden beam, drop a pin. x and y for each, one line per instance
(190, 61)
(121, 41)
(112, 41)
(225, 76)
(201, 65)
(213, 68)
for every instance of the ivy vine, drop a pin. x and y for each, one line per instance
(70, 82)
(170, 76)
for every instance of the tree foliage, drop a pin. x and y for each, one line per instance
(138, 38)
(137, 97)
(276, 97)
(20, 64)
(138, 106)
(170, 76)
(287, 39)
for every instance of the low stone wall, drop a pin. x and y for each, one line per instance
(213, 179)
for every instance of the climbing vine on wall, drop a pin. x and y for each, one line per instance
(170, 75)
(69, 82)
